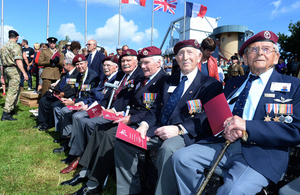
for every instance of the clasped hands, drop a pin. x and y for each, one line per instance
(233, 128)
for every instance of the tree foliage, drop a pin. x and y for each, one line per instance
(290, 44)
(67, 38)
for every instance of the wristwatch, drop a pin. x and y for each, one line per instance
(180, 130)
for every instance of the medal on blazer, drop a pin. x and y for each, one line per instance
(86, 87)
(268, 111)
(149, 99)
(276, 110)
(104, 91)
(288, 118)
(71, 82)
(129, 84)
(194, 106)
(282, 110)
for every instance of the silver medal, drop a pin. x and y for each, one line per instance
(288, 119)
(281, 119)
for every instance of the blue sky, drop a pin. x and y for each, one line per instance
(67, 17)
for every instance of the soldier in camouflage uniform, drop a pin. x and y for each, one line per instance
(11, 59)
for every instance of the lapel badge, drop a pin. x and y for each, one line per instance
(282, 100)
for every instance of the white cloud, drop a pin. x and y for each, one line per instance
(285, 9)
(70, 30)
(5, 33)
(107, 36)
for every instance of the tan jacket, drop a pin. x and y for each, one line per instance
(49, 72)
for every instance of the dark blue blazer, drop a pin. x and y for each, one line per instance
(97, 66)
(203, 87)
(92, 79)
(138, 109)
(97, 93)
(267, 147)
(69, 90)
(125, 94)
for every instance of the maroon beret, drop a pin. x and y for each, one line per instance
(148, 52)
(261, 36)
(111, 58)
(127, 52)
(186, 43)
(78, 58)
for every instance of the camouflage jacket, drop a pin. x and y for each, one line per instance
(9, 53)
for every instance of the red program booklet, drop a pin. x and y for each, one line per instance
(111, 116)
(73, 107)
(57, 96)
(55, 54)
(131, 136)
(94, 111)
(217, 111)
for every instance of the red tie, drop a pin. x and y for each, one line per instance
(104, 81)
(145, 81)
(120, 87)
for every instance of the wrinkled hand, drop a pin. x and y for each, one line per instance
(61, 94)
(142, 129)
(233, 128)
(83, 107)
(79, 104)
(67, 102)
(166, 132)
(125, 120)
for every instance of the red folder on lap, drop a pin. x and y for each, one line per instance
(131, 136)
(95, 111)
(217, 111)
(111, 116)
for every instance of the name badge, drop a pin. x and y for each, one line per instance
(171, 89)
(270, 95)
(285, 87)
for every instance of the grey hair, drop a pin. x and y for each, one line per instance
(69, 61)
(157, 58)
(276, 47)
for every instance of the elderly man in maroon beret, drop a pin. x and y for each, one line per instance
(174, 121)
(255, 100)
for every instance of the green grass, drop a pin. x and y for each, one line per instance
(27, 163)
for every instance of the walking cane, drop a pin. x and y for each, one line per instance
(220, 156)
(112, 93)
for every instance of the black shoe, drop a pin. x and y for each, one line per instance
(38, 126)
(69, 159)
(13, 113)
(44, 127)
(85, 191)
(7, 117)
(61, 139)
(75, 181)
(60, 150)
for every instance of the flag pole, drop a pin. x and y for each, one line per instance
(48, 19)
(119, 41)
(2, 30)
(183, 38)
(152, 23)
(85, 21)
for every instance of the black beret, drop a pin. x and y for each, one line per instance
(13, 32)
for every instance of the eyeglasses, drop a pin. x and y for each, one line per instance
(88, 44)
(264, 49)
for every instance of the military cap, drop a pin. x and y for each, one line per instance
(148, 52)
(118, 47)
(186, 43)
(78, 58)
(261, 36)
(110, 58)
(13, 32)
(52, 39)
(234, 58)
(128, 52)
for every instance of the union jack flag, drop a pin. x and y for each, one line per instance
(165, 6)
